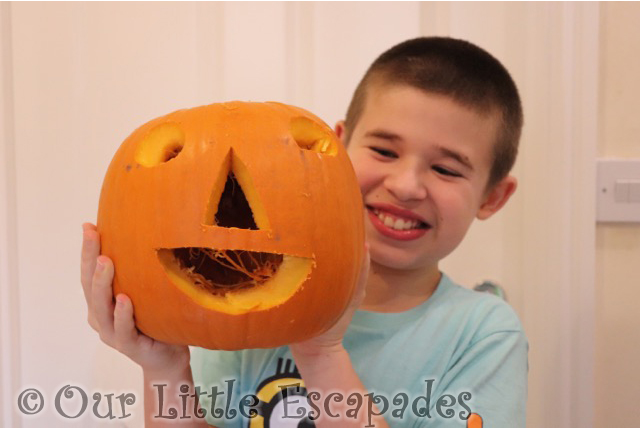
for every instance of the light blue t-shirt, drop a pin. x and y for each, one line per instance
(460, 352)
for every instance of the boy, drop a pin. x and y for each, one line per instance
(432, 131)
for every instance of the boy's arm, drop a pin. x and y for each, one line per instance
(163, 405)
(325, 367)
(161, 363)
(330, 371)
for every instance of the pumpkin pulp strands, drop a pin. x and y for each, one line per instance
(257, 268)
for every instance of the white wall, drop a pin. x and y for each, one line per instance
(79, 77)
(618, 245)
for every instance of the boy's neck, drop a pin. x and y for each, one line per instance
(390, 290)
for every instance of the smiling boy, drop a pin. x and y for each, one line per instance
(424, 158)
(432, 132)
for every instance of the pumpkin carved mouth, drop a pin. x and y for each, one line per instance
(235, 281)
(222, 271)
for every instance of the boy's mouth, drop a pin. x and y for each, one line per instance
(396, 226)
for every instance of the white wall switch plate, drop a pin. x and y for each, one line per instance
(618, 190)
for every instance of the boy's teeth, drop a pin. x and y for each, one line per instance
(401, 224)
(396, 223)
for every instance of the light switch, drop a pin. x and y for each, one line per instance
(621, 191)
(618, 190)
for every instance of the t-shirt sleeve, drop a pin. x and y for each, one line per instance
(489, 377)
(216, 374)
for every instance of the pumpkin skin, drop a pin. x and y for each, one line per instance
(264, 186)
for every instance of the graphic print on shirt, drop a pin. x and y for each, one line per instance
(283, 398)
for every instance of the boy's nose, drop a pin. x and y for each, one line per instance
(406, 184)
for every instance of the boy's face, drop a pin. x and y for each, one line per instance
(422, 162)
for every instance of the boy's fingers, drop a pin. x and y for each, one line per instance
(367, 257)
(366, 264)
(363, 275)
(92, 322)
(90, 251)
(102, 297)
(125, 333)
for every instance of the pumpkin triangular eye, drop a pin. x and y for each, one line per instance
(234, 201)
(233, 208)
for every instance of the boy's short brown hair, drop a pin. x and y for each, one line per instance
(458, 69)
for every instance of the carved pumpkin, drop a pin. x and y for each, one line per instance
(232, 226)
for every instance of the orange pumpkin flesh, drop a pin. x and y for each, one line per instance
(233, 226)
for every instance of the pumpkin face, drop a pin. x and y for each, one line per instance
(232, 226)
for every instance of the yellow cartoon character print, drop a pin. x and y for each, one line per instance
(283, 399)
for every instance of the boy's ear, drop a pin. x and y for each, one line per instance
(497, 197)
(339, 130)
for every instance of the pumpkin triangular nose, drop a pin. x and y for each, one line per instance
(233, 207)
(228, 205)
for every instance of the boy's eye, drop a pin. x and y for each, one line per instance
(445, 171)
(383, 152)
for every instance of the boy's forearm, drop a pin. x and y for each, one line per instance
(332, 372)
(170, 400)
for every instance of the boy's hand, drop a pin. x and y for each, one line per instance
(115, 322)
(331, 340)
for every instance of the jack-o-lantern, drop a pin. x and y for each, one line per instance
(232, 226)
